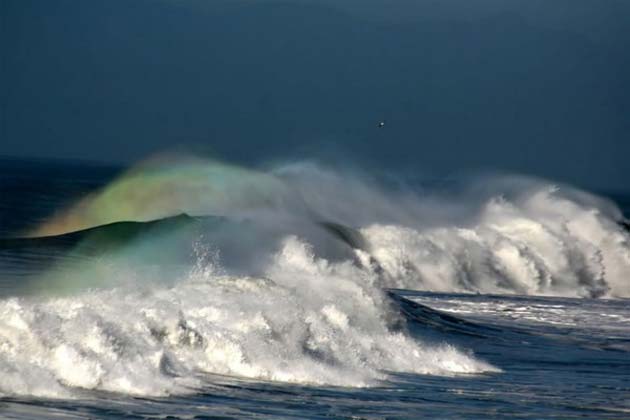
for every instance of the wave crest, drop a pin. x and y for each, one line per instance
(539, 244)
(308, 321)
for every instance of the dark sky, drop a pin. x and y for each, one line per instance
(529, 86)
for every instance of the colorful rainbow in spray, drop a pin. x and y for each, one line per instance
(167, 186)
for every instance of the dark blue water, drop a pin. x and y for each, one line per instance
(265, 345)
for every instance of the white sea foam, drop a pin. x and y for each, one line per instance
(540, 242)
(307, 321)
(501, 234)
(498, 234)
(298, 309)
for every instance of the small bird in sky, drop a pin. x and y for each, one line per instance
(381, 124)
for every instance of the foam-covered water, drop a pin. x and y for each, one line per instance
(505, 235)
(281, 307)
(542, 244)
(309, 322)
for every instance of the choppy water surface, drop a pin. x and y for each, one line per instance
(303, 292)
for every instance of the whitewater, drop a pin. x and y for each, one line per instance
(191, 287)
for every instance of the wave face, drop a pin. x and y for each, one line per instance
(287, 279)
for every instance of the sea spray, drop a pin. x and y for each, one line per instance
(308, 321)
(287, 282)
(540, 243)
(491, 234)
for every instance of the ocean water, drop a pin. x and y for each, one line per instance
(191, 288)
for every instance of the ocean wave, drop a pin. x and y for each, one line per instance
(282, 275)
(500, 235)
(308, 321)
(540, 244)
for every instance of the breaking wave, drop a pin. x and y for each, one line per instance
(507, 235)
(308, 322)
(542, 244)
(282, 275)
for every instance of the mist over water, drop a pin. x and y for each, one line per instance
(185, 270)
(380, 279)
(503, 234)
